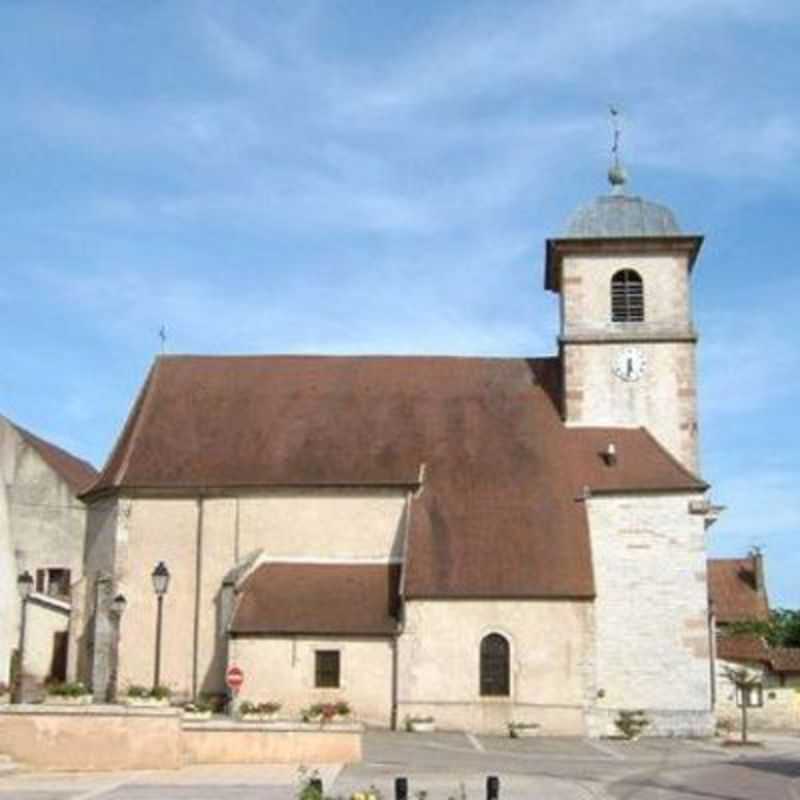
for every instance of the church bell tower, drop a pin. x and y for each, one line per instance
(627, 339)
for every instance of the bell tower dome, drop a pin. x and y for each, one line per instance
(627, 339)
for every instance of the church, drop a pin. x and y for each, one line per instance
(483, 541)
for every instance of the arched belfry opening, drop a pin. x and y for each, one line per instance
(627, 296)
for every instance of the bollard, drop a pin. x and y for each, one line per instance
(401, 789)
(316, 785)
(492, 787)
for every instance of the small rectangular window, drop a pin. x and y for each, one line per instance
(326, 673)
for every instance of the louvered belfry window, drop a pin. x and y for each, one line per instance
(627, 297)
(495, 665)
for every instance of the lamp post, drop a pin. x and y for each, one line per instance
(25, 587)
(160, 578)
(117, 609)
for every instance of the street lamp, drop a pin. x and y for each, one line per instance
(160, 578)
(117, 609)
(24, 587)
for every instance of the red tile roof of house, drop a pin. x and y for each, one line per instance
(733, 591)
(500, 509)
(343, 599)
(77, 473)
(752, 648)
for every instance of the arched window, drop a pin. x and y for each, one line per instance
(627, 297)
(495, 663)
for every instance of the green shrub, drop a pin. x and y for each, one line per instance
(67, 689)
(631, 723)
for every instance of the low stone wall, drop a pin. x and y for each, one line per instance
(105, 737)
(271, 743)
(89, 738)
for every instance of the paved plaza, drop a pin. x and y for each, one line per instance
(441, 764)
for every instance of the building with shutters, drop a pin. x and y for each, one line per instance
(481, 540)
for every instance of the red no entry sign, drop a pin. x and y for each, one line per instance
(234, 677)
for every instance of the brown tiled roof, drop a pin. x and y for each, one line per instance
(343, 599)
(752, 648)
(785, 659)
(500, 511)
(732, 590)
(742, 648)
(77, 473)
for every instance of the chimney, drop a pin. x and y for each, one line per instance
(758, 569)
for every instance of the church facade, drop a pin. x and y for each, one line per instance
(484, 541)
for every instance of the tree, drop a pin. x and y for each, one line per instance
(781, 630)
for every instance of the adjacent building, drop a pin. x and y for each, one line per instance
(481, 540)
(42, 527)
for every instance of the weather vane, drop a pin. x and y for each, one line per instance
(616, 174)
(162, 334)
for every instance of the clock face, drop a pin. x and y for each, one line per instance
(629, 364)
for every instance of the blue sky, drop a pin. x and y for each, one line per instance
(361, 177)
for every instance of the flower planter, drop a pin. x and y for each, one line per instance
(67, 700)
(146, 702)
(260, 717)
(524, 731)
(196, 716)
(421, 726)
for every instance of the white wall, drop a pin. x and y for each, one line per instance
(651, 611)
(439, 663)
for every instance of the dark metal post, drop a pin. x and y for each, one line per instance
(401, 789)
(159, 615)
(492, 787)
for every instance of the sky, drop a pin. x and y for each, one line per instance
(362, 177)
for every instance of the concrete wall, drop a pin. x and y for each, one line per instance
(97, 738)
(664, 398)
(282, 669)
(200, 540)
(651, 612)
(439, 663)
(41, 526)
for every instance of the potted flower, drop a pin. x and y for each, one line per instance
(5, 693)
(198, 710)
(326, 712)
(142, 696)
(258, 712)
(420, 724)
(523, 730)
(69, 693)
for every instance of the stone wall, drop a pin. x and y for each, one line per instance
(439, 663)
(282, 669)
(664, 398)
(651, 612)
(781, 700)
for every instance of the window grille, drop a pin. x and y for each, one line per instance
(627, 297)
(495, 666)
(326, 672)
